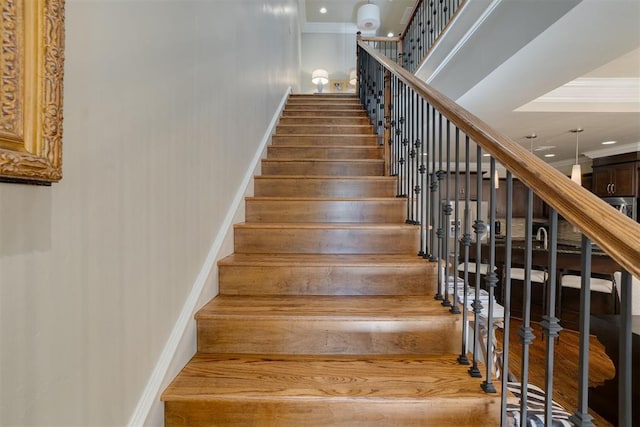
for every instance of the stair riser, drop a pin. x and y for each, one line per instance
(291, 240)
(337, 413)
(293, 335)
(323, 96)
(278, 152)
(275, 167)
(318, 187)
(324, 130)
(331, 140)
(349, 101)
(363, 211)
(325, 113)
(325, 280)
(323, 106)
(363, 121)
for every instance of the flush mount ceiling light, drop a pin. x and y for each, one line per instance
(390, 34)
(609, 142)
(323, 10)
(550, 155)
(368, 17)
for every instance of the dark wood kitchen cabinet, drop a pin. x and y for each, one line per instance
(616, 176)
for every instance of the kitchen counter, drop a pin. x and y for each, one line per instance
(569, 255)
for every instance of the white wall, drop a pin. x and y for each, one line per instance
(165, 105)
(336, 53)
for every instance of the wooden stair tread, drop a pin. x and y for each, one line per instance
(375, 161)
(276, 377)
(330, 177)
(334, 112)
(321, 260)
(329, 147)
(326, 135)
(343, 307)
(302, 125)
(325, 199)
(325, 225)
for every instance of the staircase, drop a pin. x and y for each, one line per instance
(326, 316)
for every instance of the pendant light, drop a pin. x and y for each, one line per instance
(531, 138)
(576, 170)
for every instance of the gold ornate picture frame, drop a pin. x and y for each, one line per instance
(31, 77)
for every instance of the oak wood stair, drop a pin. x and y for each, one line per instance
(326, 315)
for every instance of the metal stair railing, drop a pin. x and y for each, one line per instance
(424, 134)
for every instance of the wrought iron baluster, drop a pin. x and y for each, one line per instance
(403, 121)
(466, 241)
(479, 230)
(550, 326)
(428, 216)
(491, 279)
(456, 226)
(446, 213)
(421, 171)
(581, 415)
(434, 189)
(506, 299)
(412, 158)
(625, 356)
(526, 333)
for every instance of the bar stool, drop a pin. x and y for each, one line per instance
(603, 297)
(635, 294)
(483, 270)
(538, 291)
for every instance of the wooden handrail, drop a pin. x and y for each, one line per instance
(379, 39)
(413, 15)
(617, 235)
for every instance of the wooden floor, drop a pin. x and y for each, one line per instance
(566, 365)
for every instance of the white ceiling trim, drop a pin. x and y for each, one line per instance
(595, 94)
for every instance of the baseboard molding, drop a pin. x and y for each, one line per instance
(174, 356)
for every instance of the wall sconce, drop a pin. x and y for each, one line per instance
(576, 170)
(368, 17)
(320, 77)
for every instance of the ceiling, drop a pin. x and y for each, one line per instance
(345, 11)
(527, 69)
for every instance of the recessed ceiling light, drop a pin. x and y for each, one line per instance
(486, 155)
(609, 142)
(390, 34)
(550, 155)
(323, 10)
